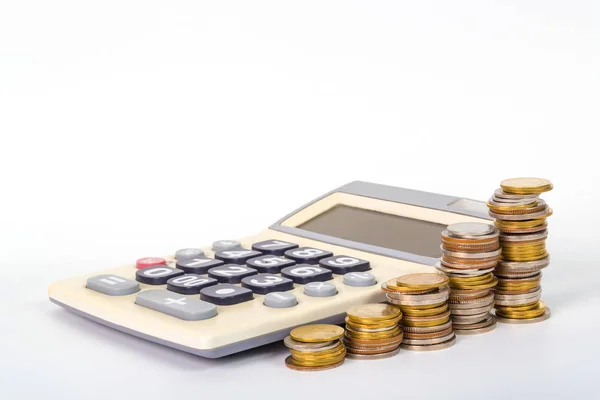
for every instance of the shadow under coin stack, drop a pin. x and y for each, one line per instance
(423, 299)
(315, 347)
(372, 331)
(470, 252)
(521, 217)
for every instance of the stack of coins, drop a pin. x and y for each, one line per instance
(521, 218)
(315, 347)
(372, 331)
(423, 299)
(470, 251)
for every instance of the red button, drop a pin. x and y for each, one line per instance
(149, 262)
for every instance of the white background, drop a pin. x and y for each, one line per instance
(133, 128)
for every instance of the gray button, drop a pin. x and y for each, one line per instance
(320, 289)
(176, 305)
(221, 245)
(184, 254)
(359, 279)
(112, 285)
(280, 300)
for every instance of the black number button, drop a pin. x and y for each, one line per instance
(306, 273)
(308, 255)
(270, 264)
(344, 264)
(158, 275)
(225, 294)
(267, 283)
(237, 256)
(275, 247)
(231, 273)
(199, 265)
(189, 283)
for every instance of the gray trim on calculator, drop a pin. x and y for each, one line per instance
(382, 192)
(212, 353)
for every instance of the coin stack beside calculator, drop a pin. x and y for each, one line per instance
(372, 331)
(423, 299)
(315, 347)
(521, 218)
(470, 251)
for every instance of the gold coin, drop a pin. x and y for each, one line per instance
(422, 281)
(373, 335)
(318, 363)
(324, 355)
(537, 311)
(291, 365)
(526, 185)
(425, 324)
(317, 333)
(384, 324)
(390, 286)
(373, 312)
(478, 286)
(529, 223)
(426, 312)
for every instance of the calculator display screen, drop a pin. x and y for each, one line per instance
(379, 229)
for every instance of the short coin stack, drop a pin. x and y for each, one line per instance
(423, 299)
(372, 331)
(521, 218)
(470, 251)
(315, 347)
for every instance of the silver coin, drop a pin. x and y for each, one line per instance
(528, 237)
(476, 331)
(493, 235)
(428, 341)
(524, 296)
(354, 328)
(458, 273)
(520, 217)
(471, 303)
(541, 263)
(431, 347)
(414, 303)
(525, 321)
(503, 195)
(470, 229)
(456, 254)
(472, 311)
(301, 346)
(439, 296)
(470, 319)
(373, 356)
(511, 202)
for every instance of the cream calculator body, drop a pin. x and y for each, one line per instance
(308, 267)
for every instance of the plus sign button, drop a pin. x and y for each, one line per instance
(176, 305)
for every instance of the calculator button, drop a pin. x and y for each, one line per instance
(184, 254)
(225, 294)
(305, 273)
(158, 275)
(221, 245)
(275, 247)
(280, 300)
(176, 305)
(231, 273)
(269, 263)
(359, 279)
(344, 264)
(238, 256)
(320, 289)
(199, 265)
(307, 255)
(189, 283)
(149, 262)
(112, 285)
(267, 283)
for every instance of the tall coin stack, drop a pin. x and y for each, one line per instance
(470, 252)
(521, 218)
(372, 331)
(423, 299)
(315, 347)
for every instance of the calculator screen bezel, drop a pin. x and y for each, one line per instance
(365, 195)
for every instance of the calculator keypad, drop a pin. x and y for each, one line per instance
(274, 247)
(280, 300)
(199, 265)
(225, 294)
(176, 305)
(343, 264)
(112, 285)
(236, 256)
(305, 273)
(361, 279)
(158, 275)
(308, 255)
(320, 289)
(149, 262)
(269, 263)
(189, 283)
(267, 283)
(184, 254)
(221, 245)
(231, 273)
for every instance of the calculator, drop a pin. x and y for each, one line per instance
(308, 267)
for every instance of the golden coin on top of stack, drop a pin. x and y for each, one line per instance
(521, 218)
(372, 331)
(423, 299)
(470, 251)
(315, 347)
